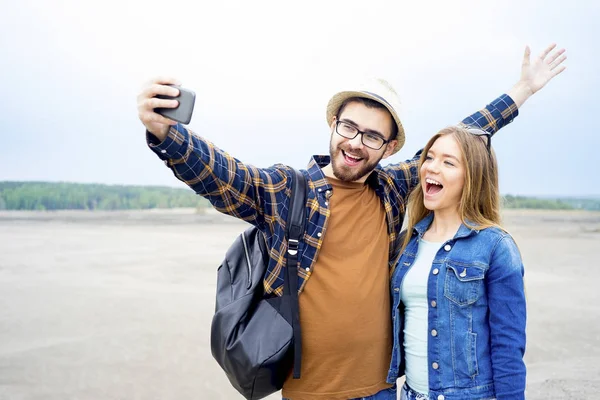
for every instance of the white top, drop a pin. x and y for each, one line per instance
(414, 297)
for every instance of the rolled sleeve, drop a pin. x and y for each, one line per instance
(496, 115)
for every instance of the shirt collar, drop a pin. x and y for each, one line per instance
(316, 173)
(317, 162)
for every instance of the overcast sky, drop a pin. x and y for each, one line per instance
(263, 72)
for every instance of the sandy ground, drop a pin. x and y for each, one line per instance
(118, 305)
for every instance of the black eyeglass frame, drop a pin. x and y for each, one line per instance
(361, 133)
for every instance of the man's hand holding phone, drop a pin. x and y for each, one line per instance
(162, 103)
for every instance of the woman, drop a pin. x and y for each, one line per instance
(459, 304)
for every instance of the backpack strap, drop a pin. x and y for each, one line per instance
(294, 231)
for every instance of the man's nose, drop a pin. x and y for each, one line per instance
(356, 143)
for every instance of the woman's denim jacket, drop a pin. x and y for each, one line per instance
(476, 318)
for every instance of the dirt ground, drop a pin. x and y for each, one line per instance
(117, 305)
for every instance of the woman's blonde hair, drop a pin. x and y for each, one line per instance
(479, 205)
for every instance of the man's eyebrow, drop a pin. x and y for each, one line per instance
(349, 121)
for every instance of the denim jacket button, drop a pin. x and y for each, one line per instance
(396, 289)
(441, 397)
(447, 247)
(435, 365)
(433, 303)
(436, 271)
(434, 333)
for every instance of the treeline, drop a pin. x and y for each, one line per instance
(583, 204)
(75, 196)
(535, 203)
(561, 203)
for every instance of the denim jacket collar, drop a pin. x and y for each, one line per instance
(422, 226)
(463, 231)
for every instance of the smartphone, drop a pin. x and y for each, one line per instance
(183, 112)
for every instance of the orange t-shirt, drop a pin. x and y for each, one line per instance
(345, 307)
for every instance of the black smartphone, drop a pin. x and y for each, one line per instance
(183, 112)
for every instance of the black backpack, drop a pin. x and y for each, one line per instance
(256, 339)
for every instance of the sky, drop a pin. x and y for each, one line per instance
(263, 72)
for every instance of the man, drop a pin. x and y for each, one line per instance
(355, 210)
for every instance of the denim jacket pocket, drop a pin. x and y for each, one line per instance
(464, 283)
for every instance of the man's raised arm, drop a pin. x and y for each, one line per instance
(232, 187)
(535, 74)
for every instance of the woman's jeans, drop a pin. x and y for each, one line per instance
(407, 393)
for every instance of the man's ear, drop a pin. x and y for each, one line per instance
(333, 122)
(390, 148)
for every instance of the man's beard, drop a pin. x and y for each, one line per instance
(349, 174)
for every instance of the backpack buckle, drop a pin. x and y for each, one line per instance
(292, 247)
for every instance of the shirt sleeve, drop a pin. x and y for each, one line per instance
(496, 115)
(405, 175)
(232, 187)
(507, 319)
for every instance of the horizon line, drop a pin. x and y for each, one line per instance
(581, 196)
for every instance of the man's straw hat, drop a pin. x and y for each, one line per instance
(374, 89)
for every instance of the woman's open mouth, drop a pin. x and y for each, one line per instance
(432, 186)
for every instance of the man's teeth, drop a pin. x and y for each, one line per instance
(429, 180)
(353, 157)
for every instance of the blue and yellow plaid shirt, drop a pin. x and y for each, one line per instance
(261, 196)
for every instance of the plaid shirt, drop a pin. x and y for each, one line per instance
(261, 196)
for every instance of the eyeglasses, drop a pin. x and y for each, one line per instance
(482, 134)
(369, 139)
